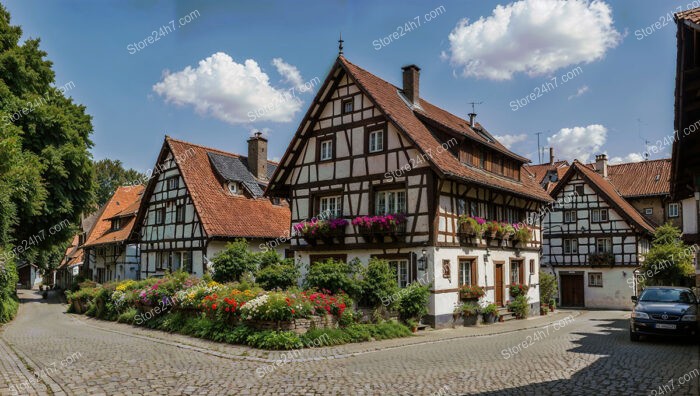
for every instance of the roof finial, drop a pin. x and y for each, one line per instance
(340, 44)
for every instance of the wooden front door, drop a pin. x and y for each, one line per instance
(572, 290)
(499, 285)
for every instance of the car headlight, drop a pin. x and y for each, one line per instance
(689, 318)
(639, 315)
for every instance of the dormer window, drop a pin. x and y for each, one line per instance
(116, 224)
(233, 188)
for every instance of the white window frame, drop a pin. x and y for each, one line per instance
(376, 141)
(572, 246)
(390, 202)
(569, 216)
(159, 217)
(599, 215)
(332, 205)
(116, 224)
(346, 102)
(595, 279)
(465, 272)
(403, 272)
(515, 272)
(671, 212)
(648, 211)
(326, 149)
(180, 213)
(173, 183)
(607, 244)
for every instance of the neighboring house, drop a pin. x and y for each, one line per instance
(594, 240)
(200, 199)
(549, 174)
(645, 185)
(367, 147)
(72, 263)
(109, 253)
(685, 168)
(29, 275)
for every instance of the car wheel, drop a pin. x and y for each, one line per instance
(634, 337)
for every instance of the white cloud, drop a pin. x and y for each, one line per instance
(233, 92)
(510, 140)
(579, 92)
(290, 73)
(580, 143)
(631, 157)
(534, 37)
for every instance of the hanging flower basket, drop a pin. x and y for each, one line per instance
(364, 226)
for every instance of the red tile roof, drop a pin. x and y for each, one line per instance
(608, 191)
(541, 170)
(73, 255)
(123, 198)
(387, 98)
(692, 15)
(222, 214)
(638, 179)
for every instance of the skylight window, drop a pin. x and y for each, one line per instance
(483, 135)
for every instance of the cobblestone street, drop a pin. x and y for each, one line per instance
(590, 354)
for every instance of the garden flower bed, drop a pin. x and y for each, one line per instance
(233, 313)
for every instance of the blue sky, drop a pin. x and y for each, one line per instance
(626, 86)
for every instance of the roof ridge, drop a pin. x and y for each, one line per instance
(170, 139)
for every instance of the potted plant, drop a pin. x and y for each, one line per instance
(544, 310)
(522, 235)
(552, 305)
(492, 229)
(517, 290)
(468, 292)
(519, 307)
(470, 313)
(413, 325)
(332, 230)
(471, 226)
(506, 231)
(456, 313)
(489, 313)
(309, 231)
(390, 225)
(364, 226)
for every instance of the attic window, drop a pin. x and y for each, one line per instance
(116, 224)
(658, 177)
(483, 135)
(233, 188)
(348, 106)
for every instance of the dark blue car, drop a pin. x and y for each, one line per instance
(664, 311)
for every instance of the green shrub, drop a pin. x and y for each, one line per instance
(234, 261)
(280, 340)
(413, 302)
(470, 308)
(239, 334)
(8, 283)
(378, 282)
(520, 306)
(389, 329)
(490, 309)
(334, 276)
(359, 332)
(548, 287)
(128, 316)
(278, 276)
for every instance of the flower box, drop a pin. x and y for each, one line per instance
(377, 228)
(601, 259)
(471, 292)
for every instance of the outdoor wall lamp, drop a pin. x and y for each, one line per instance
(423, 261)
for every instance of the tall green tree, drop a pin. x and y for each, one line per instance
(46, 166)
(109, 174)
(669, 261)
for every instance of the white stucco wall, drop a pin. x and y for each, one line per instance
(617, 290)
(690, 216)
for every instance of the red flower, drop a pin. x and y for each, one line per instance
(213, 306)
(293, 312)
(227, 309)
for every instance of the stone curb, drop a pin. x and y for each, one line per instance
(342, 356)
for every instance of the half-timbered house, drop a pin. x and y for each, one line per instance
(685, 173)
(108, 253)
(593, 240)
(199, 199)
(369, 148)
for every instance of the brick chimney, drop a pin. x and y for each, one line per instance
(551, 156)
(601, 164)
(257, 155)
(411, 78)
